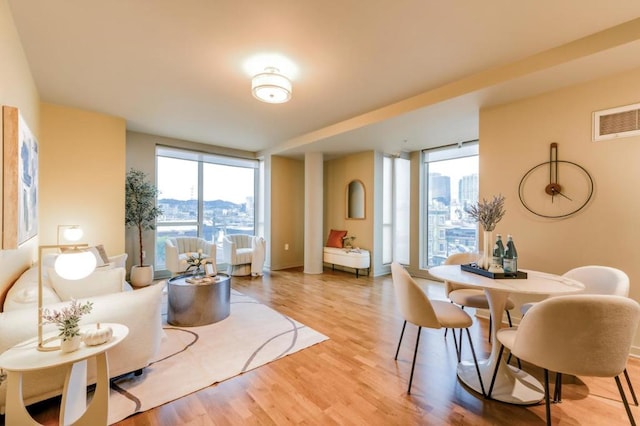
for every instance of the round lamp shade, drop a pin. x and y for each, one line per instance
(75, 264)
(73, 233)
(270, 86)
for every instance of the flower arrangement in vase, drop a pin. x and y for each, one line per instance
(197, 262)
(347, 241)
(488, 214)
(68, 320)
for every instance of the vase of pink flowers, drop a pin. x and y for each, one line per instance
(68, 322)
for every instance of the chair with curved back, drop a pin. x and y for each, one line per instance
(465, 296)
(244, 254)
(178, 249)
(597, 280)
(416, 308)
(602, 326)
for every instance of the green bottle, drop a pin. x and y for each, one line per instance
(510, 259)
(498, 251)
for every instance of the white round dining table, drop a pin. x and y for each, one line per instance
(512, 385)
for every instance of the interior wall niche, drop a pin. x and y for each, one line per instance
(355, 200)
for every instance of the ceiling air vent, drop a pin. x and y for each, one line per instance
(618, 122)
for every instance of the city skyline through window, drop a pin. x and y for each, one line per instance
(451, 178)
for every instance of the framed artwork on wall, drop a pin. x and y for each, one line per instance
(20, 180)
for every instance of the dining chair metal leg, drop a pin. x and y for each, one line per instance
(455, 343)
(495, 371)
(557, 393)
(633, 394)
(546, 396)
(401, 334)
(475, 360)
(413, 364)
(624, 401)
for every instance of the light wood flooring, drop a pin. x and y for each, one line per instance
(352, 379)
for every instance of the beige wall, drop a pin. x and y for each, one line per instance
(337, 175)
(17, 89)
(82, 168)
(287, 213)
(515, 137)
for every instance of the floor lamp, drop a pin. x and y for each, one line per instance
(73, 263)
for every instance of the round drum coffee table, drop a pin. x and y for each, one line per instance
(194, 304)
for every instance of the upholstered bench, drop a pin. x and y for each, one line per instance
(350, 258)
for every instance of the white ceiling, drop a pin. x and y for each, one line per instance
(367, 74)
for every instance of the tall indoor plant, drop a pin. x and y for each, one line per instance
(140, 213)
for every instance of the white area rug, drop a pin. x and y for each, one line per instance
(192, 358)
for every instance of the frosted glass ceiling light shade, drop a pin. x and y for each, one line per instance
(270, 86)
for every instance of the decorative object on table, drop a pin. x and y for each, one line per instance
(488, 214)
(541, 192)
(510, 259)
(347, 241)
(493, 272)
(97, 336)
(74, 263)
(67, 320)
(20, 180)
(498, 253)
(140, 213)
(196, 262)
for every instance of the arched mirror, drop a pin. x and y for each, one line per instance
(355, 200)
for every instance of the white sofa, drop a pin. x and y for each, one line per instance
(178, 249)
(140, 310)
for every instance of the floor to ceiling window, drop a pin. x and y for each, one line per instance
(450, 184)
(395, 209)
(204, 195)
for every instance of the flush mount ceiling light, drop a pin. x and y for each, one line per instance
(270, 86)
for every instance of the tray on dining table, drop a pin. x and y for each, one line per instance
(472, 267)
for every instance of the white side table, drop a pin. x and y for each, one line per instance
(73, 410)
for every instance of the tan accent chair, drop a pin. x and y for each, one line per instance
(416, 307)
(244, 254)
(178, 249)
(557, 333)
(469, 296)
(597, 280)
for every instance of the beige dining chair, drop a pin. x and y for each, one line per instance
(416, 308)
(466, 296)
(596, 280)
(557, 333)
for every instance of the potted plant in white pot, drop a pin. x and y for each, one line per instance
(140, 213)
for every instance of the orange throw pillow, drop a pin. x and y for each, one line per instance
(335, 238)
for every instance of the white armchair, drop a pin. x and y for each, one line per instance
(178, 249)
(244, 254)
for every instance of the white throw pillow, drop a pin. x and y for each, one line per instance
(24, 292)
(96, 284)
